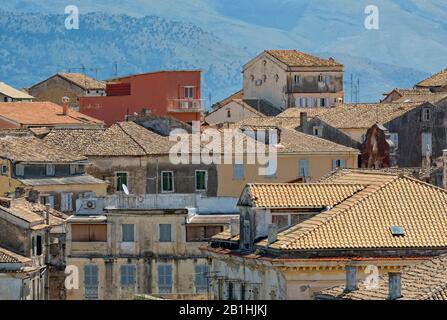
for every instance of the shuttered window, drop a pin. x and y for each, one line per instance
(66, 202)
(338, 164)
(201, 233)
(128, 275)
(164, 278)
(128, 232)
(50, 169)
(165, 232)
(89, 232)
(201, 278)
(91, 282)
(20, 170)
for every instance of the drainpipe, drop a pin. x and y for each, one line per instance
(444, 168)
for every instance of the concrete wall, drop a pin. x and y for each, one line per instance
(237, 113)
(287, 170)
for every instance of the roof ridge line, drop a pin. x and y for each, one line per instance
(335, 215)
(133, 139)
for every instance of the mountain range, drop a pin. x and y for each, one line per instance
(218, 37)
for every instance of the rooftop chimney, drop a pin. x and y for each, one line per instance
(65, 103)
(351, 279)
(273, 233)
(234, 227)
(303, 122)
(444, 168)
(394, 285)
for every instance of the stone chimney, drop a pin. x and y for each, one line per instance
(444, 168)
(351, 279)
(65, 104)
(394, 285)
(303, 122)
(272, 233)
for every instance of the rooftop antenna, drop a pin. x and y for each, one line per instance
(116, 69)
(351, 86)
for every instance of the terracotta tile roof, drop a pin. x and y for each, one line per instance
(83, 81)
(437, 80)
(7, 256)
(128, 139)
(13, 93)
(43, 114)
(237, 95)
(295, 58)
(423, 281)
(32, 149)
(363, 221)
(363, 116)
(431, 97)
(284, 122)
(226, 236)
(75, 141)
(33, 212)
(295, 112)
(298, 195)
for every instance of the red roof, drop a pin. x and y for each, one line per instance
(44, 114)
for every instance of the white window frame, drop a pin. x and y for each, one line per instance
(4, 170)
(206, 180)
(295, 78)
(317, 131)
(20, 170)
(187, 90)
(172, 182)
(50, 170)
(116, 180)
(426, 114)
(170, 233)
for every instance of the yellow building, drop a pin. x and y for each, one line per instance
(141, 251)
(297, 239)
(56, 177)
(299, 157)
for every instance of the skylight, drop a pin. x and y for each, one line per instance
(397, 231)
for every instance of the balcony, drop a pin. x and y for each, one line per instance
(185, 105)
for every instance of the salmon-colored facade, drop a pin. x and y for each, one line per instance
(173, 93)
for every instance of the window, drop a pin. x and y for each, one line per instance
(91, 282)
(320, 78)
(127, 275)
(304, 168)
(47, 200)
(201, 180)
(128, 232)
(201, 233)
(201, 278)
(121, 179)
(228, 113)
(318, 131)
(164, 278)
(338, 164)
(20, 170)
(165, 232)
(426, 143)
(4, 170)
(33, 246)
(322, 102)
(394, 137)
(310, 102)
(298, 102)
(38, 245)
(167, 181)
(426, 114)
(66, 201)
(281, 220)
(296, 79)
(74, 169)
(238, 171)
(50, 169)
(327, 79)
(89, 232)
(271, 168)
(189, 92)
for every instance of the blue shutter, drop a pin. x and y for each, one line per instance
(165, 232)
(164, 278)
(201, 278)
(304, 168)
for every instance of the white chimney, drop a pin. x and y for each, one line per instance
(351, 279)
(65, 103)
(272, 233)
(394, 285)
(234, 227)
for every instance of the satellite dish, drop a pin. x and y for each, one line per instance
(126, 190)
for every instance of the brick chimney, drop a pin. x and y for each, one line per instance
(65, 104)
(303, 122)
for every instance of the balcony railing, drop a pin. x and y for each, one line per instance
(185, 105)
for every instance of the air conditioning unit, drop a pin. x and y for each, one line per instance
(89, 206)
